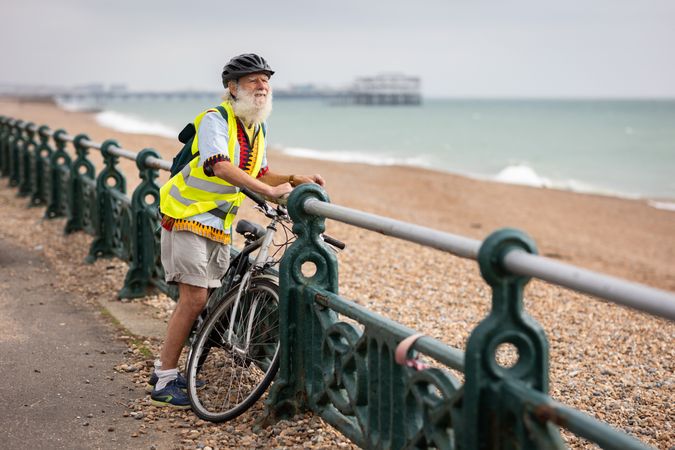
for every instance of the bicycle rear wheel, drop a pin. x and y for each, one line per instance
(235, 374)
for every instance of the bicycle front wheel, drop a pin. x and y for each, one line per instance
(235, 355)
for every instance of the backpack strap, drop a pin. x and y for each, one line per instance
(222, 112)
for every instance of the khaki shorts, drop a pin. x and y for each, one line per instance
(191, 259)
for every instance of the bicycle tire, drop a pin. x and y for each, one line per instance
(235, 380)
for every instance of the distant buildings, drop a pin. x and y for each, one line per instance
(307, 90)
(387, 89)
(382, 89)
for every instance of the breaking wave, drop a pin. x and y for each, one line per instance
(131, 124)
(351, 156)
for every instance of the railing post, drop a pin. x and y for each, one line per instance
(491, 418)
(81, 206)
(144, 251)
(109, 179)
(59, 164)
(299, 328)
(16, 144)
(9, 145)
(4, 155)
(26, 172)
(41, 159)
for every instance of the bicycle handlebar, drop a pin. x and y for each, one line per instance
(260, 201)
(255, 197)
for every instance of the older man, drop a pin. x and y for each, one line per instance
(199, 204)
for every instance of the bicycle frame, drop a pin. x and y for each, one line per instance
(259, 263)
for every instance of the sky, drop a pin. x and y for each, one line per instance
(459, 48)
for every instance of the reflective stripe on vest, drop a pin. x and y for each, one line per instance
(206, 185)
(175, 193)
(191, 191)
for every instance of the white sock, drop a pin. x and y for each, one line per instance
(165, 377)
(158, 365)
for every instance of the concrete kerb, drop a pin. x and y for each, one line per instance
(135, 317)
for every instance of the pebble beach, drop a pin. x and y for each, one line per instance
(615, 364)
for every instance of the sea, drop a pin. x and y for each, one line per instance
(622, 148)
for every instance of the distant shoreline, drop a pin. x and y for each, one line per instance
(529, 179)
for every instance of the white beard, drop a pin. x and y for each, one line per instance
(247, 108)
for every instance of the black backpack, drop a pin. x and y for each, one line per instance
(184, 156)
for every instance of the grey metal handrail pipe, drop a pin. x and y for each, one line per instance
(151, 161)
(634, 295)
(638, 296)
(457, 245)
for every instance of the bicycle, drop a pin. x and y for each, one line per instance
(234, 353)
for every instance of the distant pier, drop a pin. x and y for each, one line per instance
(382, 89)
(387, 89)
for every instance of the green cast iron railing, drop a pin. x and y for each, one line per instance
(57, 173)
(337, 357)
(347, 373)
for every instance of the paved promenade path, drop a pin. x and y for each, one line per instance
(58, 388)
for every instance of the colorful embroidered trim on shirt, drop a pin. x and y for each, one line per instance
(247, 155)
(211, 233)
(209, 163)
(167, 222)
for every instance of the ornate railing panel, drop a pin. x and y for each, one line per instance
(43, 152)
(4, 146)
(113, 224)
(60, 163)
(15, 144)
(83, 205)
(26, 160)
(143, 271)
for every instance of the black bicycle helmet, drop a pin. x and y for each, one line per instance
(244, 64)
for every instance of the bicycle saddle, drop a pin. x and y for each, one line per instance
(250, 230)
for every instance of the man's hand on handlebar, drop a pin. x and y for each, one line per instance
(301, 179)
(279, 191)
(276, 192)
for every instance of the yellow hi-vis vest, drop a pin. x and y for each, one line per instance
(191, 191)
